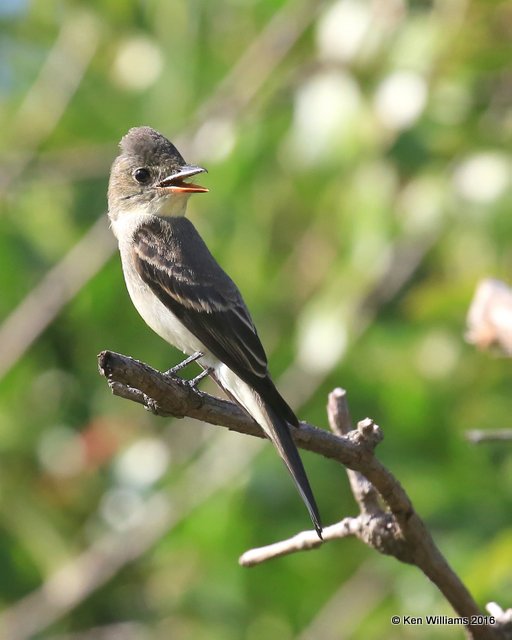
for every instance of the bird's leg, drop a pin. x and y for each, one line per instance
(195, 356)
(193, 383)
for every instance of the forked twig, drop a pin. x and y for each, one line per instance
(387, 521)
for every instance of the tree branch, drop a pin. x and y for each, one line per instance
(394, 530)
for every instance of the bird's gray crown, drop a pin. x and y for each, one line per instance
(149, 145)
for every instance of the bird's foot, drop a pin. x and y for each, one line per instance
(191, 383)
(174, 370)
(194, 382)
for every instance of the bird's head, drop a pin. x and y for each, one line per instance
(150, 176)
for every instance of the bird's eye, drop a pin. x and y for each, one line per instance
(142, 175)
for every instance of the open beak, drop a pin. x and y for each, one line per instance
(177, 182)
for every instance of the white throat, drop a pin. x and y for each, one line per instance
(173, 205)
(125, 222)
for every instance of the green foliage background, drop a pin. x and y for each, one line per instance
(359, 167)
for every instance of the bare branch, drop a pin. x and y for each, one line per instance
(341, 423)
(304, 541)
(170, 395)
(397, 531)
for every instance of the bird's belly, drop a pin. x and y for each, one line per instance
(163, 321)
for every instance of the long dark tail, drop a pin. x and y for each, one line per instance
(273, 414)
(282, 440)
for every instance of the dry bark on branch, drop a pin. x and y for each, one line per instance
(387, 521)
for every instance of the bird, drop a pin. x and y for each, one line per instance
(184, 295)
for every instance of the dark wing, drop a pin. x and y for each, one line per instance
(175, 263)
(172, 259)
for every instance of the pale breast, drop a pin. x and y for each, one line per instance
(153, 311)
